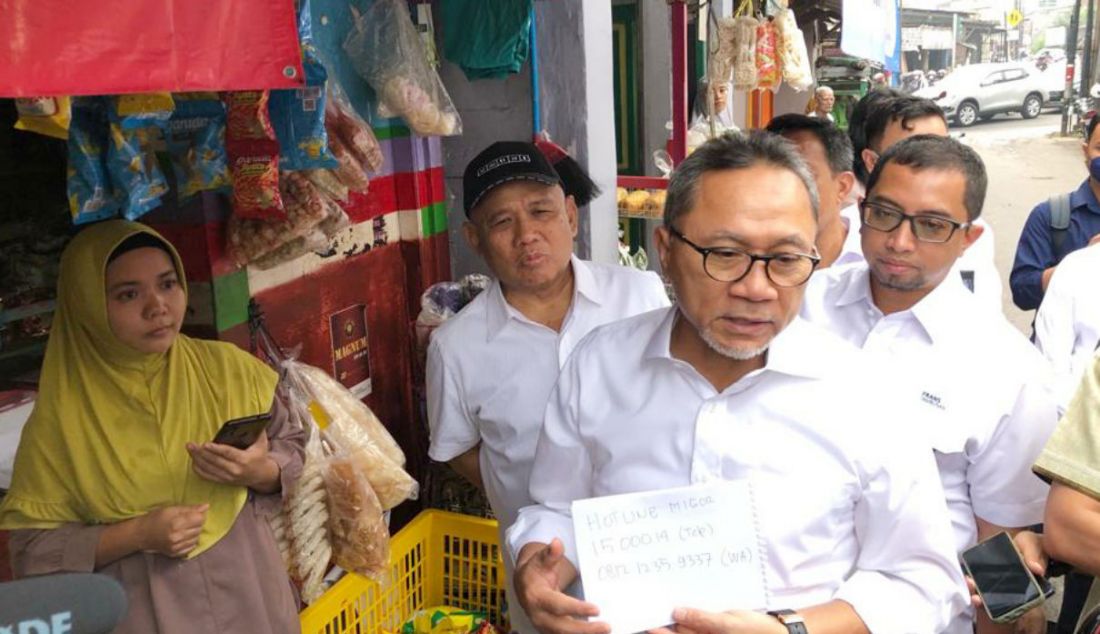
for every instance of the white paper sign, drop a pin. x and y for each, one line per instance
(644, 554)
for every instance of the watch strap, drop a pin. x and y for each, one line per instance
(791, 620)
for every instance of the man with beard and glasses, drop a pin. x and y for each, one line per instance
(491, 367)
(982, 391)
(729, 384)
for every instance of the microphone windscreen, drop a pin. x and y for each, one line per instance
(87, 603)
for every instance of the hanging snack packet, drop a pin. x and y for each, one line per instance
(196, 143)
(298, 117)
(248, 117)
(45, 115)
(89, 188)
(350, 171)
(793, 56)
(137, 128)
(767, 57)
(744, 52)
(254, 168)
(342, 120)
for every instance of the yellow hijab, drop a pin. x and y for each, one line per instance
(107, 438)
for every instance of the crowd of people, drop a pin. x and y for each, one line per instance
(836, 340)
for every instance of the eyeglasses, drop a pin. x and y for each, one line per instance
(726, 264)
(926, 228)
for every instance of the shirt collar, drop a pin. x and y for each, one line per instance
(792, 352)
(1084, 197)
(938, 313)
(499, 311)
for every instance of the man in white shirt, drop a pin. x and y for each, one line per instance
(828, 153)
(491, 367)
(982, 391)
(729, 384)
(892, 119)
(1067, 326)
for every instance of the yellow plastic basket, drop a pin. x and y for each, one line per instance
(439, 558)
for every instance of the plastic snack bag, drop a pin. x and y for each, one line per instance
(794, 59)
(343, 121)
(91, 196)
(360, 538)
(767, 60)
(196, 143)
(45, 115)
(744, 52)
(350, 172)
(386, 50)
(254, 168)
(137, 125)
(298, 117)
(306, 518)
(248, 116)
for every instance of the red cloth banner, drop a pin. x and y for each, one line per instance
(101, 47)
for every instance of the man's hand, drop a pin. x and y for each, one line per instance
(541, 572)
(172, 531)
(690, 621)
(252, 467)
(1033, 621)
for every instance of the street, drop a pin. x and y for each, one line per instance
(1027, 162)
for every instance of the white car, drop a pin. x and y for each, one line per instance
(980, 91)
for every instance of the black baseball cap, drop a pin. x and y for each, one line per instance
(504, 162)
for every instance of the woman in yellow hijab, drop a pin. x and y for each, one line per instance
(116, 472)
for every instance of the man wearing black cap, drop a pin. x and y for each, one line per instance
(491, 368)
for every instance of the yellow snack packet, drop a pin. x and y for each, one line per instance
(130, 105)
(44, 115)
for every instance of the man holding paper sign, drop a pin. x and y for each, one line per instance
(850, 524)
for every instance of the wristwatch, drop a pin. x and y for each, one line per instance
(792, 620)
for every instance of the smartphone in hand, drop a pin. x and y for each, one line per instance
(1006, 586)
(242, 432)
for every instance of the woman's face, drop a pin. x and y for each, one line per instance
(721, 97)
(145, 300)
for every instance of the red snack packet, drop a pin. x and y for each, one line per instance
(247, 117)
(255, 172)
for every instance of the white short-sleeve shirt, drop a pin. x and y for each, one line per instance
(490, 371)
(847, 508)
(1067, 326)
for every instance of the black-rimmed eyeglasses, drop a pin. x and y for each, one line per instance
(926, 228)
(726, 264)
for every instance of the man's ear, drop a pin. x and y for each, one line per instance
(973, 232)
(845, 182)
(469, 231)
(870, 158)
(662, 240)
(571, 213)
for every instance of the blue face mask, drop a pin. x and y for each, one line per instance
(1094, 169)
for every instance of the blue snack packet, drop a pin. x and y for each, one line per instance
(137, 124)
(196, 144)
(88, 185)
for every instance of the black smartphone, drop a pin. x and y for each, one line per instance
(242, 432)
(1006, 586)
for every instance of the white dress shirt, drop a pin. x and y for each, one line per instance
(1067, 326)
(846, 507)
(490, 371)
(981, 392)
(976, 265)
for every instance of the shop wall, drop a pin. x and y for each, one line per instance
(656, 80)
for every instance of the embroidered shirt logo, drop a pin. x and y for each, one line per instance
(932, 400)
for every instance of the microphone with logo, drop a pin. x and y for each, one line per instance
(71, 603)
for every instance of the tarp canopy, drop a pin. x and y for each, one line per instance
(98, 47)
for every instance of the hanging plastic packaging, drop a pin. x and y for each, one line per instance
(196, 143)
(343, 121)
(298, 117)
(91, 196)
(45, 115)
(744, 52)
(386, 50)
(137, 125)
(793, 57)
(768, 74)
